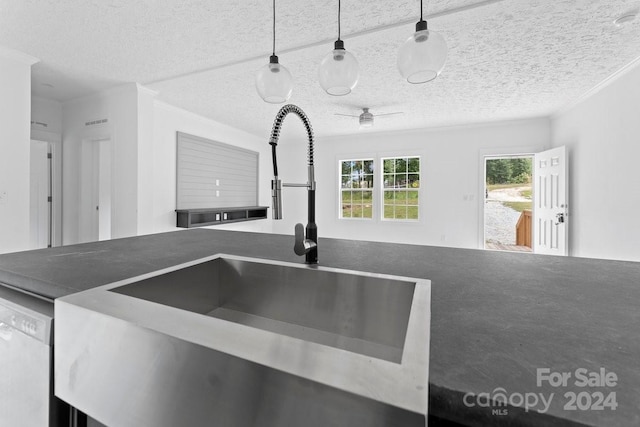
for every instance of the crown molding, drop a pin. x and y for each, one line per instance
(17, 56)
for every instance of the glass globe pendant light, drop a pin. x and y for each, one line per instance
(421, 58)
(273, 81)
(338, 71)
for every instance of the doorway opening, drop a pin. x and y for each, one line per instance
(41, 195)
(508, 206)
(45, 193)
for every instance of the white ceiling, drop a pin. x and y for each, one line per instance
(508, 59)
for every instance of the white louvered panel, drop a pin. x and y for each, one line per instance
(211, 174)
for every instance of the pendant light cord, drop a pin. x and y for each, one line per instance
(339, 19)
(420, 10)
(274, 27)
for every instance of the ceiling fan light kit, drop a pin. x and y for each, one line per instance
(420, 59)
(365, 119)
(274, 82)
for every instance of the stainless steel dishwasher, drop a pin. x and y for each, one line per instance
(26, 368)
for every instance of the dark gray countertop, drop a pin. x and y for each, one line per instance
(497, 317)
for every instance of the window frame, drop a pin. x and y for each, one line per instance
(377, 202)
(407, 189)
(371, 189)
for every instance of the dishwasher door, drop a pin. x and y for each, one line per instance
(25, 361)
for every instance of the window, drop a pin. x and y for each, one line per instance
(401, 185)
(356, 188)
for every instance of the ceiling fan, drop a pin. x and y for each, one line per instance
(366, 117)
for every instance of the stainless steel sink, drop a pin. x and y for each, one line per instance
(363, 314)
(235, 341)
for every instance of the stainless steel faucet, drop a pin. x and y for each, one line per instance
(305, 244)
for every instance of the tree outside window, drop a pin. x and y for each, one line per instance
(401, 185)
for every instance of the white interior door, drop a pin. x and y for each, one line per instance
(40, 195)
(95, 191)
(550, 227)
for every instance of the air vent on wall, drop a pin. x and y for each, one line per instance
(96, 122)
(44, 125)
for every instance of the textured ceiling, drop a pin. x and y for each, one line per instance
(507, 59)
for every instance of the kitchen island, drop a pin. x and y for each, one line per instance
(516, 339)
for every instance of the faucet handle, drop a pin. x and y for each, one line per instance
(302, 245)
(298, 246)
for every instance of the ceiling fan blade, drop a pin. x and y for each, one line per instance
(345, 115)
(389, 114)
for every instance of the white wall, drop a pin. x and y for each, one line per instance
(125, 142)
(15, 145)
(120, 107)
(452, 182)
(602, 136)
(144, 158)
(600, 132)
(142, 131)
(75, 114)
(167, 121)
(46, 111)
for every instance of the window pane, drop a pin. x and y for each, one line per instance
(346, 196)
(368, 166)
(414, 180)
(412, 212)
(388, 165)
(414, 164)
(368, 181)
(388, 181)
(367, 197)
(412, 198)
(400, 181)
(346, 182)
(346, 211)
(346, 168)
(401, 212)
(401, 165)
(389, 197)
(356, 197)
(401, 198)
(357, 167)
(388, 212)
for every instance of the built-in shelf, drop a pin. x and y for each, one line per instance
(188, 218)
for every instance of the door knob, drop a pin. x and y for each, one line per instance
(560, 218)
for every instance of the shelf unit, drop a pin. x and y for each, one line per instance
(188, 218)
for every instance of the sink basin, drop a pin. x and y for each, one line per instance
(363, 314)
(246, 342)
